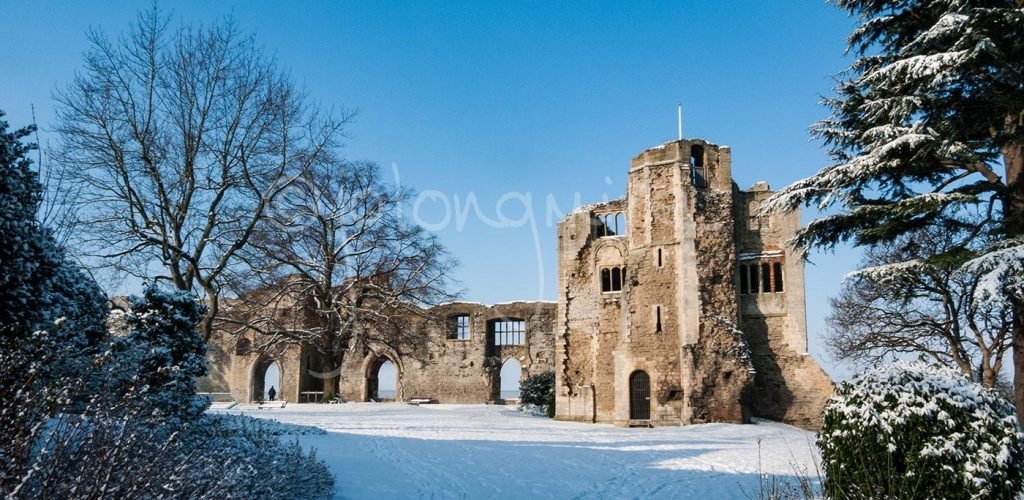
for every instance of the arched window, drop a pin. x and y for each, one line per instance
(761, 277)
(598, 226)
(609, 224)
(612, 279)
(766, 278)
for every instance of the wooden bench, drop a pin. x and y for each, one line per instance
(266, 405)
(422, 401)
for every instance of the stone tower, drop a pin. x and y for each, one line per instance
(656, 323)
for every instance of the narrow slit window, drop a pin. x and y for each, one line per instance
(697, 174)
(659, 257)
(657, 319)
(766, 278)
(777, 267)
(754, 281)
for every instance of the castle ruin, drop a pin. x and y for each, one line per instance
(677, 304)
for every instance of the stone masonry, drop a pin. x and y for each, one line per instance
(677, 304)
(651, 286)
(447, 369)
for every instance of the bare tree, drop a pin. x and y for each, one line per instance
(925, 306)
(178, 140)
(337, 249)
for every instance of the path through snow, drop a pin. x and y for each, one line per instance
(394, 450)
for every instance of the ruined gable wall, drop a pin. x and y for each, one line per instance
(448, 370)
(789, 386)
(588, 321)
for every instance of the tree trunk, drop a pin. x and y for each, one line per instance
(330, 386)
(1013, 158)
(332, 377)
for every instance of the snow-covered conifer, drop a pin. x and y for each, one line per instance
(162, 353)
(38, 283)
(927, 124)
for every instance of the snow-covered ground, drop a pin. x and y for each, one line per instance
(394, 450)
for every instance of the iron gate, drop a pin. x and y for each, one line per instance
(639, 396)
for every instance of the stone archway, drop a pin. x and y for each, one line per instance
(510, 377)
(383, 379)
(258, 382)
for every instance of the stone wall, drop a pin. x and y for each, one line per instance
(446, 369)
(789, 386)
(711, 353)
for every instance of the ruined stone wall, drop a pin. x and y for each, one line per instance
(459, 371)
(789, 385)
(447, 369)
(711, 354)
(722, 369)
(589, 330)
(236, 370)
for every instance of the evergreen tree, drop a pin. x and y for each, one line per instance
(157, 361)
(38, 284)
(927, 129)
(51, 313)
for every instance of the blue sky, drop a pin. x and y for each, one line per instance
(532, 104)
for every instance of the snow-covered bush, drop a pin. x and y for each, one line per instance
(51, 313)
(912, 430)
(539, 390)
(162, 353)
(116, 453)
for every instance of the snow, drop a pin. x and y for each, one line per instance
(590, 207)
(395, 450)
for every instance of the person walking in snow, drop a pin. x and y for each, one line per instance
(271, 393)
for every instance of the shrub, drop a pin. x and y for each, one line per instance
(911, 430)
(90, 415)
(539, 390)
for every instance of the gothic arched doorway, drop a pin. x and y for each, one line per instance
(382, 379)
(508, 379)
(639, 396)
